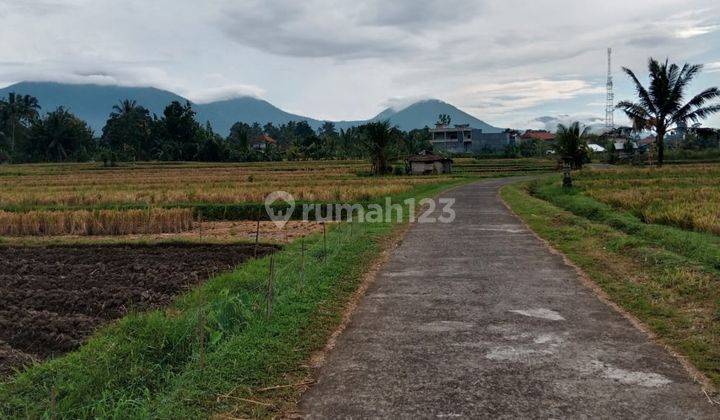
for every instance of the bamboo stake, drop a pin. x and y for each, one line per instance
(302, 261)
(201, 337)
(270, 287)
(53, 403)
(324, 243)
(257, 237)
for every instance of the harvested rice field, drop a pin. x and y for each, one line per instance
(684, 196)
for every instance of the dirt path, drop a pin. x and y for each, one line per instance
(479, 319)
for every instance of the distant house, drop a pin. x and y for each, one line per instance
(625, 149)
(461, 138)
(427, 163)
(646, 142)
(596, 148)
(542, 135)
(261, 143)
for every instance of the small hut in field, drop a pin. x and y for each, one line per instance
(428, 164)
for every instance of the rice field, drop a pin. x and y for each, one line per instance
(88, 185)
(96, 222)
(686, 196)
(147, 198)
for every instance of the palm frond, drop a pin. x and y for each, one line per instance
(696, 102)
(702, 113)
(641, 91)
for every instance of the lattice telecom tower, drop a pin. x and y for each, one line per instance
(610, 98)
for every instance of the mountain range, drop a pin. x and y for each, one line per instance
(93, 103)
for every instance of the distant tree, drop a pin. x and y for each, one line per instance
(700, 138)
(178, 132)
(327, 129)
(60, 136)
(571, 144)
(16, 112)
(349, 144)
(128, 132)
(213, 148)
(238, 141)
(330, 139)
(416, 140)
(380, 140)
(444, 119)
(660, 107)
(271, 131)
(532, 147)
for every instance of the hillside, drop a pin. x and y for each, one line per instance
(93, 103)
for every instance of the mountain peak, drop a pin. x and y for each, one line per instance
(93, 103)
(425, 112)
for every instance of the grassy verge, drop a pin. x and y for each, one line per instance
(664, 276)
(217, 350)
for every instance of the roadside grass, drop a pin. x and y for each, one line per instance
(700, 247)
(216, 350)
(664, 276)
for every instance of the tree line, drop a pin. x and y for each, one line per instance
(132, 133)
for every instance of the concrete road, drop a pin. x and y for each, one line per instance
(479, 319)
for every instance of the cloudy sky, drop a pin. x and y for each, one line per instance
(507, 62)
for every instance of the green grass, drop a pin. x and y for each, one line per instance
(665, 276)
(700, 247)
(148, 364)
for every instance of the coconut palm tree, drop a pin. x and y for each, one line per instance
(125, 107)
(16, 110)
(660, 107)
(571, 144)
(379, 138)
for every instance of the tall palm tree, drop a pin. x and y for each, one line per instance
(125, 107)
(571, 144)
(378, 138)
(17, 109)
(660, 107)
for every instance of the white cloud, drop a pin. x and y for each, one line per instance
(224, 92)
(506, 62)
(713, 67)
(696, 31)
(529, 93)
(400, 103)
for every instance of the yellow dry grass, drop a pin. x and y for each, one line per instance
(98, 222)
(686, 196)
(89, 185)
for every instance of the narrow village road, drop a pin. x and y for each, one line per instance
(479, 319)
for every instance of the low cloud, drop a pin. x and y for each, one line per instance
(712, 67)
(550, 123)
(224, 93)
(530, 93)
(398, 104)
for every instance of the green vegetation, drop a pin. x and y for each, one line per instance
(217, 350)
(131, 134)
(664, 275)
(571, 144)
(660, 107)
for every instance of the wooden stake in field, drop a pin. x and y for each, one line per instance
(302, 261)
(200, 222)
(324, 243)
(270, 291)
(201, 338)
(53, 403)
(257, 237)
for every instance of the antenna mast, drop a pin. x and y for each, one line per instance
(610, 97)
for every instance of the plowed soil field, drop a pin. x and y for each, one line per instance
(53, 298)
